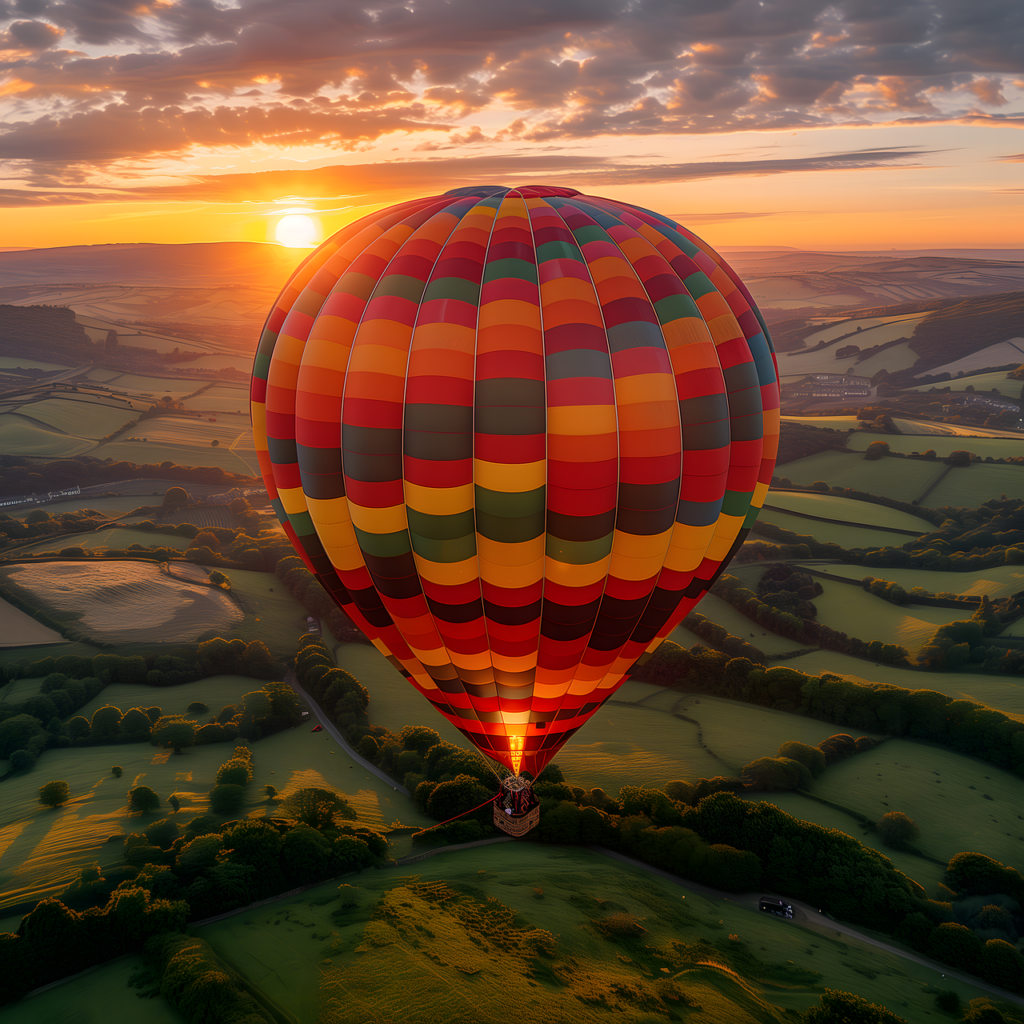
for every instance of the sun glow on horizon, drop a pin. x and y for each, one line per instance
(296, 230)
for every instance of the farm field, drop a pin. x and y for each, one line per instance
(981, 382)
(904, 479)
(899, 357)
(848, 536)
(739, 625)
(79, 416)
(18, 629)
(20, 362)
(116, 537)
(196, 452)
(869, 325)
(1003, 352)
(176, 387)
(20, 689)
(128, 602)
(999, 581)
(996, 447)
(222, 397)
(930, 428)
(966, 486)
(833, 506)
(19, 436)
(833, 422)
(113, 506)
(281, 618)
(343, 967)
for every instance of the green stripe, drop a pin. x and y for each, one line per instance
(497, 269)
(590, 233)
(698, 284)
(453, 288)
(436, 527)
(675, 307)
(302, 524)
(353, 283)
(308, 302)
(510, 531)
(557, 250)
(383, 545)
(402, 286)
(736, 503)
(579, 552)
(510, 505)
(455, 550)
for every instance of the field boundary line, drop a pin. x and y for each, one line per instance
(846, 522)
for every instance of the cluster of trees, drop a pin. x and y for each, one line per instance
(798, 440)
(39, 523)
(886, 590)
(721, 639)
(232, 778)
(962, 725)
(797, 764)
(306, 589)
(23, 476)
(967, 643)
(782, 610)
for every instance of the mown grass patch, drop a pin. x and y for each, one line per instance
(996, 447)
(79, 416)
(967, 486)
(200, 453)
(18, 629)
(118, 537)
(274, 616)
(980, 382)
(904, 479)
(372, 943)
(19, 436)
(847, 536)
(849, 510)
(214, 691)
(739, 625)
(997, 581)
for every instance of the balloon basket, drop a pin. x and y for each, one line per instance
(516, 824)
(516, 810)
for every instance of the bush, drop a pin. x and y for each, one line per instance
(54, 794)
(198, 707)
(226, 798)
(236, 772)
(896, 829)
(117, 771)
(318, 808)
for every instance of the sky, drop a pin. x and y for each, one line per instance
(851, 125)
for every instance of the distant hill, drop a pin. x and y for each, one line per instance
(204, 264)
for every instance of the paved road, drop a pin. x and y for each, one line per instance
(332, 729)
(811, 917)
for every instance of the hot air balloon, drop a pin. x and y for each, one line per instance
(516, 434)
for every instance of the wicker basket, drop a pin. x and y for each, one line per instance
(516, 824)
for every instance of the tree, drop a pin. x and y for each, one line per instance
(162, 833)
(54, 794)
(142, 799)
(846, 1008)
(456, 796)
(117, 771)
(177, 496)
(226, 798)
(136, 724)
(306, 854)
(271, 791)
(811, 757)
(174, 803)
(419, 738)
(284, 702)
(896, 829)
(318, 808)
(106, 723)
(236, 772)
(16, 733)
(175, 731)
(199, 855)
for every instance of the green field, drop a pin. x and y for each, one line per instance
(968, 486)
(855, 612)
(847, 536)
(997, 447)
(176, 387)
(79, 417)
(214, 691)
(875, 328)
(20, 689)
(19, 436)
(739, 625)
(197, 453)
(222, 397)
(903, 479)
(20, 362)
(832, 422)
(460, 978)
(116, 537)
(833, 506)
(41, 849)
(276, 617)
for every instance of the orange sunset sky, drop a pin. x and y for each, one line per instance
(858, 124)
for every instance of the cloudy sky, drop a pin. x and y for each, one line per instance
(857, 124)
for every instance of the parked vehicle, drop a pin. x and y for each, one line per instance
(779, 908)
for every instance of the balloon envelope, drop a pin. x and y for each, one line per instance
(516, 434)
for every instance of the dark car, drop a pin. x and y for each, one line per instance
(773, 906)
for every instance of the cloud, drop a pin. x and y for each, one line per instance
(547, 70)
(355, 181)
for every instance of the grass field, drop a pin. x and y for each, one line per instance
(222, 397)
(899, 357)
(281, 618)
(739, 625)
(19, 689)
(199, 453)
(904, 479)
(20, 362)
(968, 486)
(833, 422)
(176, 387)
(875, 328)
(833, 506)
(214, 691)
(19, 436)
(17, 629)
(997, 447)
(41, 850)
(847, 536)
(79, 417)
(114, 506)
(1000, 354)
(128, 602)
(455, 976)
(931, 427)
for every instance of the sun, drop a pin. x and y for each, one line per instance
(296, 231)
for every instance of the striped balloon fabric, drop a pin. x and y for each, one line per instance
(516, 433)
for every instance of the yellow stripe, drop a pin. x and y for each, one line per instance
(760, 493)
(440, 501)
(509, 476)
(379, 359)
(447, 574)
(576, 575)
(511, 575)
(645, 388)
(581, 419)
(378, 520)
(725, 533)
(524, 553)
(625, 568)
(293, 499)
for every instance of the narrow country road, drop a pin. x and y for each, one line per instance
(811, 917)
(331, 729)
